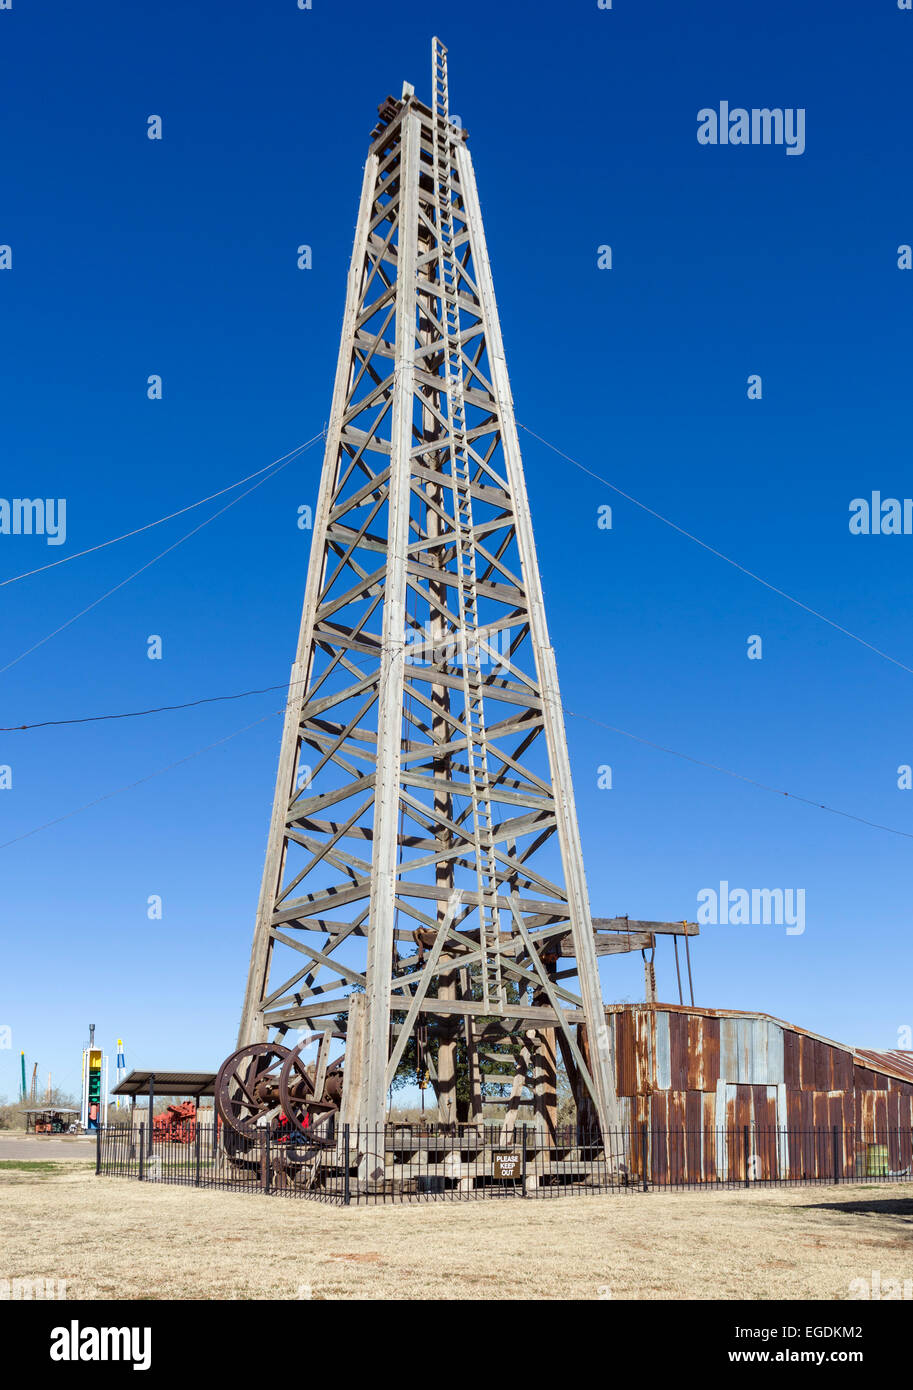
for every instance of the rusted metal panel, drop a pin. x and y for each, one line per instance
(659, 1136)
(665, 1080)
(708, 1121)
(782, 1128)
(625, 1069)
(843, 1070)
(709, 1074)
(678, 1050)
(774, 1071)
(746, 1027)
(694, 1147)
(694, 1053)
(822, 1069)
(757, 1038)
(865, 1112)
(765, 1139)
(729, 1050)
(720, 1151)
(625, 1113)
(791, 1059)
(800, 1115)
(806, 1063)
(739, 1110)
(765, 1107)
(644, 1051)
(799, 1109)
(674, 1156)
(881, 1112)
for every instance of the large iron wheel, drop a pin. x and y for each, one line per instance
(247, 1088)
(308, 1113)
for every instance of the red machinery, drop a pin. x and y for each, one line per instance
(178, 1124)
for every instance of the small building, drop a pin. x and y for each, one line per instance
(709, 1083)
(52, 1119)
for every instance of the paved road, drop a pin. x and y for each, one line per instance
(46, 1146)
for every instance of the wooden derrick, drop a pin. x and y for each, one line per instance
(430, 869)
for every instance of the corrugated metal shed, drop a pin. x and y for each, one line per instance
(721, 1090)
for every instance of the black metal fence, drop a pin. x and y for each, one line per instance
(416, 1163)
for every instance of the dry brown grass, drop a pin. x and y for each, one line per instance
(114, 1238)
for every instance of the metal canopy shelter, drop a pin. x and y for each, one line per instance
(166, 1083)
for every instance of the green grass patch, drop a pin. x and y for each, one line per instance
(39, 1165)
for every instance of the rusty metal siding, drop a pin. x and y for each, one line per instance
(644, 1050)
(625, 1068)
(881, 1111)
(708, 1074)
(765, 1107)
(696, 1078)
(694, 1053)
(663, 1054)
(757, 1038)
(708, 1116)
(865, 1111)
(694, 1141)
(791, 1059)
(774, 1072)
(729, 1050)
(659, 1136)
(678, 1050)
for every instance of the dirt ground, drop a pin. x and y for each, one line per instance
(114, 1238)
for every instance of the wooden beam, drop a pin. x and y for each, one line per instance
(629, 924)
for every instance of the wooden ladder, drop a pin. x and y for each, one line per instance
(467, 588)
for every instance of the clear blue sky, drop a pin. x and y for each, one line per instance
(178, 257)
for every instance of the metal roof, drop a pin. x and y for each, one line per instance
(900, 1063)
(51, 1110)
(167, 1083)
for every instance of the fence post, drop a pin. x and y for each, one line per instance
(98, 1151)
(523, 1161)
(142, 1145)
(347, 1195)
(196, 1152)
(836, 1173)
(643, 1155)
(745, 1153)
(267, 1159)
